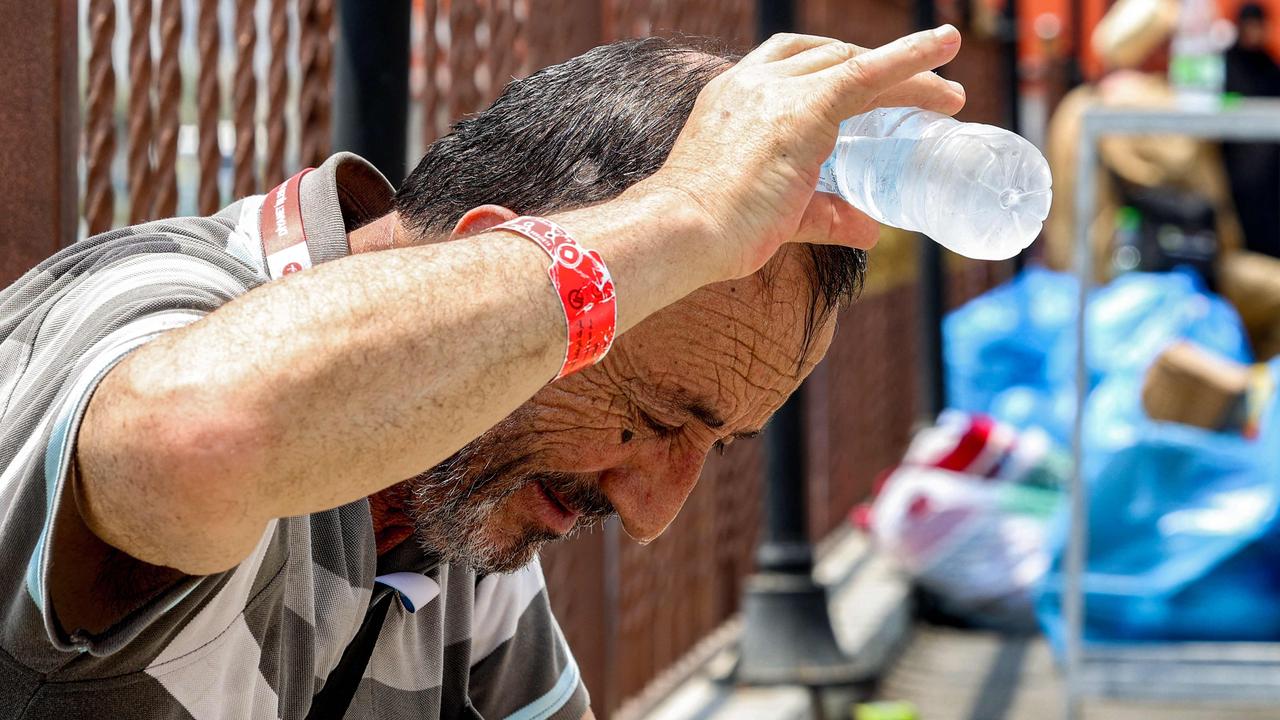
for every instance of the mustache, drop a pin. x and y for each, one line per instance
(580, 493)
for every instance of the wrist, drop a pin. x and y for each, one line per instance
(687, 229)
(584, 285)
(655, 244)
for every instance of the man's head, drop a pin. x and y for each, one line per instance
(1251, 24)
(630, 434)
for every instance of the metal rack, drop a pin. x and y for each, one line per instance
(1239, 671)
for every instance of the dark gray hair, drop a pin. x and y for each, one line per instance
(579, 133)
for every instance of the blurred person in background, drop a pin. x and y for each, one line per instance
(236, 486)
(1251, 278)
(1173, 178)
(1254, 168)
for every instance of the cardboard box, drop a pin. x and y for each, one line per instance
(1195, 387)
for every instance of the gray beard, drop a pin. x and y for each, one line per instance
(454, 504)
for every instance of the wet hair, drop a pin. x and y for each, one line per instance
(580, 133)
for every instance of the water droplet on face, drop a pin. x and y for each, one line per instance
(586, 172)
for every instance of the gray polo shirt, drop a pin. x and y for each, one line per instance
(259, 640)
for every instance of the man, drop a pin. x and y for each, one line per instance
(1254, 168)
(206, 449)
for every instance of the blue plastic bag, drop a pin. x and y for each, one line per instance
(1004, 338)
(1137, 315)
(1011, 353)
(1183, 522)
(1183, 538)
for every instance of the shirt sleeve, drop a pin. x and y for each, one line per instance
(63, 326)
(522, 668)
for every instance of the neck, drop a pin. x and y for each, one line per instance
(384, 233)
(391, 523)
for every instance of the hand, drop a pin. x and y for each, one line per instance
(750, 153)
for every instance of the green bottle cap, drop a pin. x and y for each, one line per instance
(895, 710)
(1128, 218)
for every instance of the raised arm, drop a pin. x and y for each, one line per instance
(334, 383)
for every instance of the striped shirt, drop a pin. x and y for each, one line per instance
(258, 640)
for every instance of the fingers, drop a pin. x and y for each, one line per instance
(829, 220)
(854, 82)
(818, 58)
(782, 46)
(925, 90)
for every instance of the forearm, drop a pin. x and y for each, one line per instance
(335, 383)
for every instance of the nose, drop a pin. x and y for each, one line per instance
(649, 491)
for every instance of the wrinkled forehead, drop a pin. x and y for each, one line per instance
(740, 343)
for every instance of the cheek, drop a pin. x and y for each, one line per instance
(514, 512)
(584, 452)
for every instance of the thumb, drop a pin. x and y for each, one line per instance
(829, 220)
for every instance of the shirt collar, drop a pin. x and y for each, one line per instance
(343, 194)
(323, 205)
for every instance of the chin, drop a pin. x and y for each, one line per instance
(501, 560)
(510, 561)
(488, 551)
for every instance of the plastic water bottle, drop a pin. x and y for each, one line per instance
(978, 190)
(1197, 68)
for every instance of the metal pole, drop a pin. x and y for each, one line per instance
(372, 90)
(39, 133)
(933, 287)
(933, 291)
(1073, 600)
(1075, 61)
(775, 16)
(1012, 78)
(1013, 84)
(787, 636)
(786, 539)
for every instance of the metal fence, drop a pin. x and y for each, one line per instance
(228, 86)
(185, 105)
(224, 98)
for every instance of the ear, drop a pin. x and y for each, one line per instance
(478, 219)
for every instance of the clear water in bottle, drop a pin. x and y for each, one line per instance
(978, 190)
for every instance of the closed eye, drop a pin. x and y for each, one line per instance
(660, 429)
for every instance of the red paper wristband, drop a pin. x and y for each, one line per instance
(585, 289)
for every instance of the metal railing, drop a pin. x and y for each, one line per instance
(270, 88)
(1207, 672)
(228, 97)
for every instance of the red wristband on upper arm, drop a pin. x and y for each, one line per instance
(584, 287)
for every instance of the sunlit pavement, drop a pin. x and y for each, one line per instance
(945, 673)
(951, 674)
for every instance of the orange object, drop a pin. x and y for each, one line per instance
(1033, 14)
